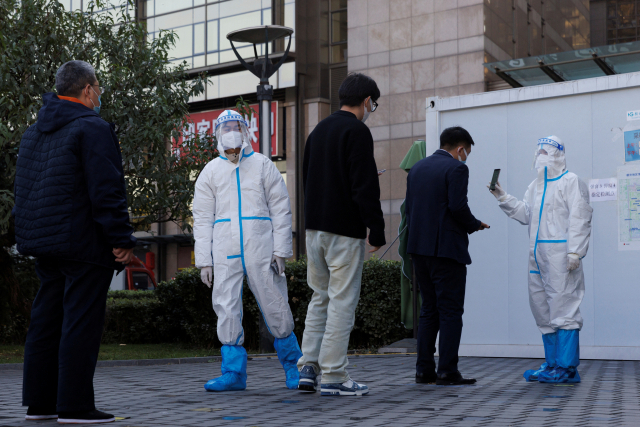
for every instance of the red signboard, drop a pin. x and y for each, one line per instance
(206, 121)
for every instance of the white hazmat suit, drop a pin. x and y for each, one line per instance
(556, 209)
(242, 219)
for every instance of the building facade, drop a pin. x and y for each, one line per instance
(414, 49)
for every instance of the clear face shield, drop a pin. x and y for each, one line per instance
(231, 135)
(546, 151)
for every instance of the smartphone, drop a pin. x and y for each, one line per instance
(380, 172)
(496, 174)
(274, 267)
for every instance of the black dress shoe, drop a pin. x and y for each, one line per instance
(454, 379)
(41, 413)
(86, 417)
(426, 378)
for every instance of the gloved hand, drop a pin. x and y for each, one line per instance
(573, 262)
(206, 274)
(280, 262)
(499, 193)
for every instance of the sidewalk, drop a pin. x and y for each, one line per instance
(173, 395)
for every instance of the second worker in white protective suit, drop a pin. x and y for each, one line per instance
(242, 225)
(556, 209)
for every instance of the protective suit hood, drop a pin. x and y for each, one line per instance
(554, 160)
(231, 142)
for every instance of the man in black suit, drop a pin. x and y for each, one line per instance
(440, 221)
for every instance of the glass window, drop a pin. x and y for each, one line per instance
(198, 39)
(173, 20)
(235, 22)
(236, 7)
(339, 53)
(212, 36)
(213, 11)
(164, 6)
(339, 26)
(198, 15)
(213, 58)
(184, 42)
(151, 10)
(199, 61)
(338, 4)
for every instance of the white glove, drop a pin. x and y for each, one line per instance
(206, 274)
(280, 262)
(573, 262)
(499, 193)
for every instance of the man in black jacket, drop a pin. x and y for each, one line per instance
(439, 222)
(71, 214)
(342, 200)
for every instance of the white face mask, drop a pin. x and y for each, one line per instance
(231, 140)
(366, 113)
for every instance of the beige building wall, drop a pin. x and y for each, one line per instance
(413, 49)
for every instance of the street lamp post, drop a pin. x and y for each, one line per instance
(263, 69)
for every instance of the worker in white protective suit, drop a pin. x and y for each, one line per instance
(242, 227)
(556, 209)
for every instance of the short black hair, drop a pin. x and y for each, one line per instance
(356, 88)
(73, 76)
(454, 136)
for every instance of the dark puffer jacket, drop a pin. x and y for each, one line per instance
(70, 196)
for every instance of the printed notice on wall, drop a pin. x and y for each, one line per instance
(603, 190)
(629, 208)
(632, 145)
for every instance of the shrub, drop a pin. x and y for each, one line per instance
(187, 303)
(137, 320)
(19, 285)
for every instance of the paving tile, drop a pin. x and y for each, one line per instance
(173, 395)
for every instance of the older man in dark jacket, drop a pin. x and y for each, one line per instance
(71, 214)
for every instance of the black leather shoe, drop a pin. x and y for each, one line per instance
(41, 413)
(87, 417)
(454, 379)
(426, 378)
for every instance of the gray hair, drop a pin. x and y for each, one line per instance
(73, 76)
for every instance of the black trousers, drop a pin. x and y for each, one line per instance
(64, 336)
(442, 284)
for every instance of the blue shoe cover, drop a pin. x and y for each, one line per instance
(560, 375)
(234, 370)
(289, 353)
(567, 359)
(550, 342)
(227, 382)
(532, 374)
(568, 352)
(550, 346)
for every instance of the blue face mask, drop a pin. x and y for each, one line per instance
(466, 155)
(96, 108)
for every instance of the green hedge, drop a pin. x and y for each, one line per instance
(180, 309)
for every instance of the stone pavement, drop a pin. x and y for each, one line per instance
(173, 395)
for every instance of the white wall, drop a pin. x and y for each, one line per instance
(505, 127)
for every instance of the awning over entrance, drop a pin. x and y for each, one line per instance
(575, 65)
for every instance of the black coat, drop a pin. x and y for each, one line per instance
(70, 196)
(341, 185)
(437, 212)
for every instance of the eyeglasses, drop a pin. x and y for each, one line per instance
(374, 106)
(99, 87)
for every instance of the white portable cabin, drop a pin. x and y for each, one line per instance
(589, 116)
